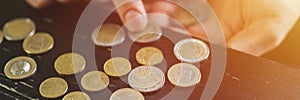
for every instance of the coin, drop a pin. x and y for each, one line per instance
(184, 17)
(108, 35)
(76, 95)
(126, 94)
(19, 29)
(1, 36)
(184, 75)
(38, 43)
(149, 34)
(69, 63)
(20, 67)
(146, 78)
(117, 66)
(191, 50)
(53, 87)
(94, 81)
(149, 56)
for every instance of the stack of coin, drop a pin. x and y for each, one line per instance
(20, 67)
(53, 87)
(126, 94)
(146, 78)
(69, 63)
(19, 29)
(191, 50)
(76, 95)
(149, 34)
(38, 43)
(108, 35)
(94, 81)
(184, 75)
(149, 56)
(117, 66)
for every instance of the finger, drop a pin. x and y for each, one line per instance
(39, 3)
(196, 30)
(133, 12)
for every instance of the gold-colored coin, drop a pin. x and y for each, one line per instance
(191, 50)
(19, 29)
(1, 36)
(38, 43)
(108, 35)
(94, 81)
(76, 95)
(117, 66)
(127, 94)
(53, 87)
(69, 63)
(184, 17)
(184, 75)
(149, 34)
(20, 67)
(149, 56)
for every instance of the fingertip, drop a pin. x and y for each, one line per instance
(135, 21)
(39, 3)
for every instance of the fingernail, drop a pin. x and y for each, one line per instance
(135, 21)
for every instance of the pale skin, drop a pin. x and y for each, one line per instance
(251, 26)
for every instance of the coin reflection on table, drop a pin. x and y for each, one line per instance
(149, 56)
(53, 87)
(19, 29)
(20, 67)
(1, 36)
(69, 63)
(94, 81)
(151, 33)
(146, 78)
(76, 95)
(184, 75)
(191, 50)
(126, 94)
(117, 66)
(108, 35)
(38, 43)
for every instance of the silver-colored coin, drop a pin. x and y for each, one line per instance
(149, 34)
(126, 94)
(20, 67)
(108, 35)
(19, 29)
(191, 50)
(184, 75)
(146, 78)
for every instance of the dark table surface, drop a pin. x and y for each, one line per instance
(246, 77)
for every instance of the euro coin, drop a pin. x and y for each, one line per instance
(94, 81)
(1, 37)
(19, 29)
(146, 78)
(191, 50)
(108, 35)
(53, 87)
(20, 67)
(149, 56)
(117, 66)
(126, 94)
(76, 95)
(69, 63)
(184, 75)
(151, 33)
(38, 43)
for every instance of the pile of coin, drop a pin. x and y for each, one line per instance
(35, 43)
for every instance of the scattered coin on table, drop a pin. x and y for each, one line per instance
(20, 67)
(1, 36)
(76, 95)
(151, 33)
(117, 66)
(184, 75)
(94, 81)
(149, 56)
(53, 87)
(69, 63)
(108, 35)
(38, 43)
(126, 94)
(18, 29)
